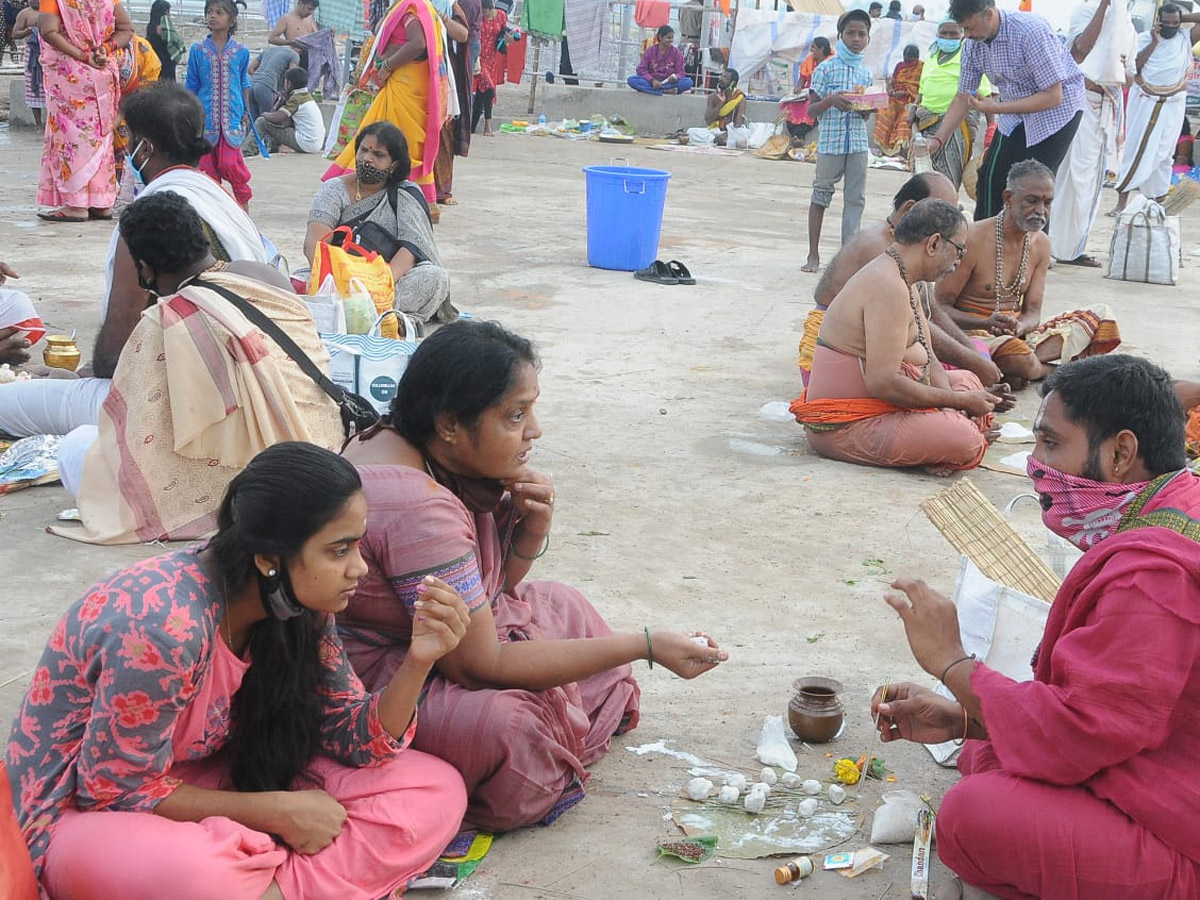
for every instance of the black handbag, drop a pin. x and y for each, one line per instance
(357, 413)
(373, 236)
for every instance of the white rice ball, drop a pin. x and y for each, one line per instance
(807, 808)
(738, 781)
(755, 801)
(699, 788)
(790, 780)
(762, 787)
(728, 795)
(811, 786)
(837, 794)
(767, 776)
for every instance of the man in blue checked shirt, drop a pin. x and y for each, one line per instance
(1041, 93)
(842, 139)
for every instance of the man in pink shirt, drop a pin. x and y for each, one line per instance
(661, 70)
(1080, 784)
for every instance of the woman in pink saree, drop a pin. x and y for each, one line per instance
(80, 40)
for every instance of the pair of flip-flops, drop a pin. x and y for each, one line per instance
(659, 272)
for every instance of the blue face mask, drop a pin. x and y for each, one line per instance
(138, 178)
(845, 54)
(948, 45)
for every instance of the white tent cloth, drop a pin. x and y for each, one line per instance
(768, 46)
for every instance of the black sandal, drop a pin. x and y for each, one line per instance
(657, 272)
(680, 271)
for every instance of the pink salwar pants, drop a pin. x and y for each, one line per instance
(400, 817)
(1029, 840)
(226, 162)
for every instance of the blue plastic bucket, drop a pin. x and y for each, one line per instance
(624, 215)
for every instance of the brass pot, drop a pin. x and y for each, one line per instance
(815, 712)
(61, 352)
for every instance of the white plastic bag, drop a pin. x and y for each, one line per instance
(1000, 625)
(737, 138)
(773, 746)
(326, 308)
(1146, 244)
(895, 822)
(760, 133)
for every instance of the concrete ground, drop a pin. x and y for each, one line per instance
(681, 506)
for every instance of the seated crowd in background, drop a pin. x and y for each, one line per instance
(877, 394)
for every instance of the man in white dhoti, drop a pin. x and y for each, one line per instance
(1157, 104)
(1079, 185)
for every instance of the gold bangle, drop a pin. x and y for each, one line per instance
(966, 727)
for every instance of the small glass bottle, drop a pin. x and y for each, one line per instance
(794, 870)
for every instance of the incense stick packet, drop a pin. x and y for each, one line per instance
(920, 858)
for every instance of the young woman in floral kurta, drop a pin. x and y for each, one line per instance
(132, 722)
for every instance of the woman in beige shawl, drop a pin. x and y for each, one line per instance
(198, 390)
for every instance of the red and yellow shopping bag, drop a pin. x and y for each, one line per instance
(338, 256)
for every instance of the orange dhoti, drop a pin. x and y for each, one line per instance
(856, 428)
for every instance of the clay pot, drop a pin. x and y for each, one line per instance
(815, 712)
(61, 352)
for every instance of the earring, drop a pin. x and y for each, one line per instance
(271, 573)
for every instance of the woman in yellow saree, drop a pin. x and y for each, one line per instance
(408, 64)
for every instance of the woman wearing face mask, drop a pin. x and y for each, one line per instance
(166, 139)
(939, 84)
(1061, 769)
(406, 69)
(379, 193)
(194, 728)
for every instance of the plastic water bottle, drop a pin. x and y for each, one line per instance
(921, 161)
(542, 120)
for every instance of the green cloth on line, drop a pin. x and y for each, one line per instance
(544, 18)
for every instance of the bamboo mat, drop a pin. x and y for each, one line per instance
(976, 529)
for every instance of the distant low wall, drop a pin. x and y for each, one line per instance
(649, 114)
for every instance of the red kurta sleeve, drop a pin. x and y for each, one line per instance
(1117, 681)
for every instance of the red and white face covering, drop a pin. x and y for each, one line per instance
(1081, 510)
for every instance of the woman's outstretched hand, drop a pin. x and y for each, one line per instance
(912, 713)
(440, 621)
(684, 655)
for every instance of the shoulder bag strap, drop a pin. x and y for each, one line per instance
(277, 334)
(413, 191)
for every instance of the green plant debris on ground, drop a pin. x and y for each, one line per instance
(876, 566)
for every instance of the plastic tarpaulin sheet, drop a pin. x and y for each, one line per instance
(768, 46)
